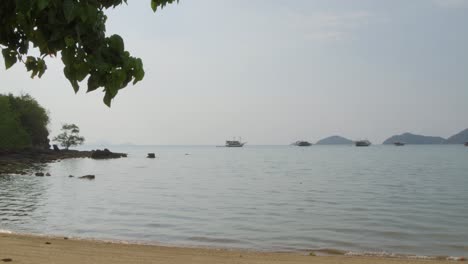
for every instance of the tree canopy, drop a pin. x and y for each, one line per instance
(70, 136)
(75, 29)
(23, 123)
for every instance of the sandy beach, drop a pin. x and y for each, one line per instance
(37, 249)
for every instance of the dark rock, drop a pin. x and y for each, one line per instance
(28, 160)
(48, 243)
(56, 148)
(66, 238)
(88, 177)
(106, 154)
(7, 260)
(39, 174)
(70, 176)
(47, 174)
(151, 155)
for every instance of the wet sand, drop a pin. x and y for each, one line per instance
(37, 249)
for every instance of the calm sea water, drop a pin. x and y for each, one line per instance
(410, 200)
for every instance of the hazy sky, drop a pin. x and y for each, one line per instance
(273, 72)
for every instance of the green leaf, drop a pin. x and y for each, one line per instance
(154, 5)
(91, 13)
(24, 47)
(69, 10)
(70, 74)
(41, 67)
(76, 29)
(23, 6)
(41, 4)
(116, 43)
(139, 72)
(69, 41)
(81, 71)
(107, 99)
(93, 82)
(30, 63)
(83, 14)
(35, 66)
(10, 57)
(68, 56)
(75, 85)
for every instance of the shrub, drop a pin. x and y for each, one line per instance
(23, 123)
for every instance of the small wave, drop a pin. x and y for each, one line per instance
(329, 251)
(372, 254)
(384, 254)
(215, 240)
(2, 231)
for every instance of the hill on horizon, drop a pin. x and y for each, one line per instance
(409, 138)
(459, 138)
(334, 140)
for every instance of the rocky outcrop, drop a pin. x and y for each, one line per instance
(87, 177)
(26, 161)
(106, 154)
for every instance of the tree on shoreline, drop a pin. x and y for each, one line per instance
(76, 29)
(70, 136)
(23, 123)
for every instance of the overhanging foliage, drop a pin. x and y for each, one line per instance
(76, 29)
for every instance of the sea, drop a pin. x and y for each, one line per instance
(410, 200)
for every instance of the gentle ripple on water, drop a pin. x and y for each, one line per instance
(406, 200)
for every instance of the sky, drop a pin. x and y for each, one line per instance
(273, 72)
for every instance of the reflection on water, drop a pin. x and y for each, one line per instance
(20, 196)
(381, 198)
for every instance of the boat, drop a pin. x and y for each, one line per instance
(362, 143)
(398, 143)
(466, 144)
(302, 143)
(234, 143)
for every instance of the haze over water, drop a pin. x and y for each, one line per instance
(408, 199)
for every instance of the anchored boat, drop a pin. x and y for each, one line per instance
(302, 143)
(362, 143)
(234, 143)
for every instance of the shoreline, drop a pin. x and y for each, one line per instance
(28, 248)
(28, 161)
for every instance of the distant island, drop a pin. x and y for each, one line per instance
(409, 138)
(334, 140)
(459, 138)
